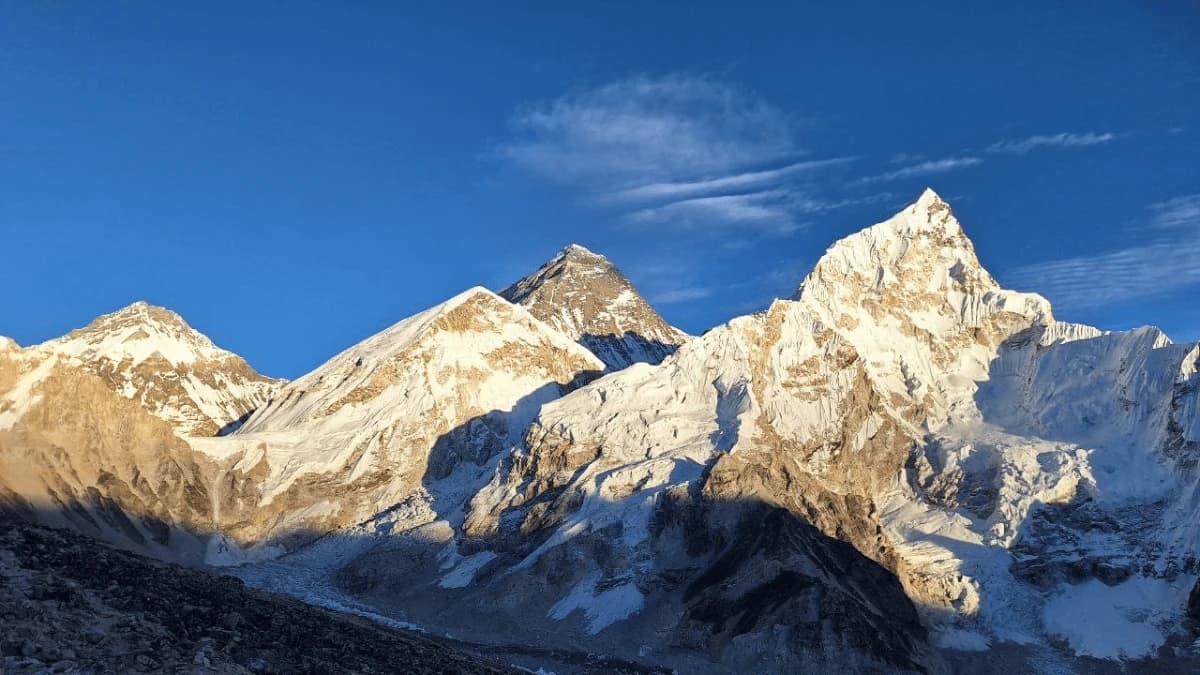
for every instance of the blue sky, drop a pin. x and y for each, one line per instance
(292, 178)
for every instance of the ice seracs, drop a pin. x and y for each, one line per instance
(583, 295)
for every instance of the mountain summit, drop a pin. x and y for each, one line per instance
(152, 355)
(585, 296)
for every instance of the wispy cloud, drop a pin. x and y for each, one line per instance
(1164, 264)
(767, 209)
(679, 150)
(925, 168)
(669, 282)
(642, 127)
(905, 158)
(773, 210)
(679, 295)
(1064, 140)
(741, 181)
(1180, 212)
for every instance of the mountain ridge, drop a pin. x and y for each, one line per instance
(902, 424)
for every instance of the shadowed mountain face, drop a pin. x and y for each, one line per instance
(903, 462)
(584, 296)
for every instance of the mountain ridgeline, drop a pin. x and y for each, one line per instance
(901, 466)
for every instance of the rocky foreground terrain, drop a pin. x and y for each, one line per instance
(71, 605)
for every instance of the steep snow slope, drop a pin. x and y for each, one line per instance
(585, 296)
(393, 418)
(151, 355)
(1072, 478)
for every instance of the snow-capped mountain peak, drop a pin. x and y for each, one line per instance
(150, 354)
(437, 394)
(585, 296)
(136, 333)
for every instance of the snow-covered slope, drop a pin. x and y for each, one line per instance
(393, 418)
(151, 355)
(585, 296)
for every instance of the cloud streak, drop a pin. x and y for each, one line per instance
(926, 168)
(1063, 140)
(767, 209)
(677, 151)
(1159, 267)
(679, 295)
(660, 128)
(751, 179)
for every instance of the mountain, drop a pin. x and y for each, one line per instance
(900, 466)
(586, 297)
(93, 428)
(412, 415)
(384, 422)
(995, 472)
(74, 452)
(150, 354)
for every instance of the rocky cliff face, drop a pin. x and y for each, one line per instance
(73, 452)
(585, 296)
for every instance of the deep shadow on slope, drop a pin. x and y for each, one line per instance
(619, 351)
(731, 582)
(74, 604)
(736, 586)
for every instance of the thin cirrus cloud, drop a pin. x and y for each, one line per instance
(766, 206)
(679, 151)
(681, 295)
(926, 168)
(1063, 140)
(741, 181)
(1164, 265)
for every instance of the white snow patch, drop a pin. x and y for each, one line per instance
(601, 609)
(465, 571)
(1129, 620)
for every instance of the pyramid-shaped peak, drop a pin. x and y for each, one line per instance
(137, 332)
(474, 314)
(921, 247)
(929, 197)
(472, 295)
(144, 311)
(580, 260)
(585, 296)
(579, 251)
